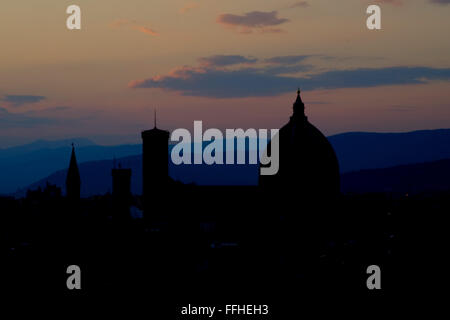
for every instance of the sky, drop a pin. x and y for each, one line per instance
(231, 64)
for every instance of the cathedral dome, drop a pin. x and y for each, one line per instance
(308, 162)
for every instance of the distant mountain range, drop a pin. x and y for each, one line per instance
(414, 178)
(96, 175)
(406, 179)
(32, 165)
(41, 144)
(23, 165)
(362, 150)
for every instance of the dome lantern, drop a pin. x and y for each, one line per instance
(299, 106)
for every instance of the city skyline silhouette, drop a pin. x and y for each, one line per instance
(295, 228)
(121, 178)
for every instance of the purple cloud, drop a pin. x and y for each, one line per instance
(19, 100)
(23, 120)
(299, 4)
(287, 60)
(226, 60)
(252, 21)
(444, 2)
(269, 80)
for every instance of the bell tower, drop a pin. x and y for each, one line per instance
(155, 164)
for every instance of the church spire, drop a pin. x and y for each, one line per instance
(73, 181)
(299, 106)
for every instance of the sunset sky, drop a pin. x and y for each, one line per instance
(229, 63)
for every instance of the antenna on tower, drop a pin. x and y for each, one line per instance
(155, 118)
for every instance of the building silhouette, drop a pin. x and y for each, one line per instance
(121, 182)
(49, 193)
(73, 181)
(121, 191)
(308, 163)
(155, 165)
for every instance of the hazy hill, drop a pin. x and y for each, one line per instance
(363, 150)
(40, 145)
(413, 178)
(96, 175)
(21, 166)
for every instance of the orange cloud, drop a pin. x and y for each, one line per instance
(120, 23)
(189, 7)
(134, 26)
(146, 30)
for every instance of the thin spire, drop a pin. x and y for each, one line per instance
(299, 106)
(73, 180)
(73, 165)
(155, 118)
